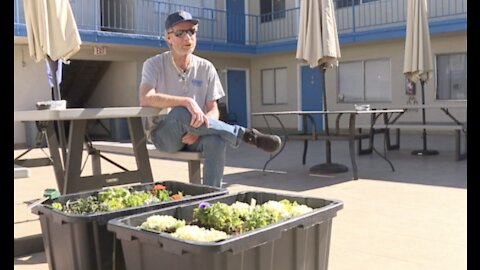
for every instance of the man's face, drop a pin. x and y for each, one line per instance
(182, 38)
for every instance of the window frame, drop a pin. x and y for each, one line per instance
(275, 89)
(273, 13)
(437, 76)
(345, 4)
(389, 96)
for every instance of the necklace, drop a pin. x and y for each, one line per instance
(182, 75)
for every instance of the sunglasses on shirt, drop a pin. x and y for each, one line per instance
(181, 33)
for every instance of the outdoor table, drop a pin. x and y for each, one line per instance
(68, 172)
(350, 136)
(445, 108)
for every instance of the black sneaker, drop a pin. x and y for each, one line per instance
(269, 143)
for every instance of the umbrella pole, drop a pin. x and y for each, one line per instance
(328, 143)
(56, 96)
(424, 151)
(328, 166)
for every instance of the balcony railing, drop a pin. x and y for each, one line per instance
(146, 17)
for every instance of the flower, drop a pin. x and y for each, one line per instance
(203, 205)
(177, 196)
(158, 187)
(162, 223)
(193, 232)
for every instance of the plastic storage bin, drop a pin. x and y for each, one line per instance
(82, 242)
(299, 243)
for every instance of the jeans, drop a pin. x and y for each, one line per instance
(167, 136)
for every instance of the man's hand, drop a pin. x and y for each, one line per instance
(189, 138)
(198, 117)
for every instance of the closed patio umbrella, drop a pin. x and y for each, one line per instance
(418, 63)
(52, 35)
(318, 46)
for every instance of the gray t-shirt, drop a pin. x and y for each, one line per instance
(199, 82)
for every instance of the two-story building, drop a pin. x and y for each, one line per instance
(253, 46)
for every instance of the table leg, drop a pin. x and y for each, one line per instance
(139, 143)
(386, 140)
(329, 167)
(284, 141)
(424, 151)
(74, 161)
(351, 143)
(74, 182)
(55, 155)
(96, 164)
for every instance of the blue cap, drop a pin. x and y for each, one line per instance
(178, 17)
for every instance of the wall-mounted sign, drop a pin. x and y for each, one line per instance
(97, 50)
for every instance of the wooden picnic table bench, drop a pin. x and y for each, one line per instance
(457, 129)
(193, 158)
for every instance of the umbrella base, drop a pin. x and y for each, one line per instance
(326, 168)
(425, 152)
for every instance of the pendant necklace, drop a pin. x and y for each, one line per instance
(182, 75)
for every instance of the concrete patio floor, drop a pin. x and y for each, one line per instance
(414, 218)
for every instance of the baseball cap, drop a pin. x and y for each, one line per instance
(178, 17)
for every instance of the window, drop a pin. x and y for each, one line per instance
(452, 76)
(274, 86)
(364, 81)
(271, 9)
(348, 3)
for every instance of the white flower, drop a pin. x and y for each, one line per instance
(277, 209)
(193, 232)
(162, 223)
(151, 200)
(241, 208)
(300, 209)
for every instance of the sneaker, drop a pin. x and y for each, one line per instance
(268, 143)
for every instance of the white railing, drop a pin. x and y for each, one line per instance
(146, 17)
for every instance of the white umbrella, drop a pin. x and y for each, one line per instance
(318, 46)
(418, 63)
(317, 37)
(52, 35)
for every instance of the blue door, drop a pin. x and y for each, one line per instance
(312, 93)
(236, 21)
(237, 95)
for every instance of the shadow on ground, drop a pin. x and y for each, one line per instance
(35, 258)
(286, 171)
(281, 180)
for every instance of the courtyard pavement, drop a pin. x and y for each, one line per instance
(413, 218)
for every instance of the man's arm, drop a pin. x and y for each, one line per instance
(212, 109)
(150, 98)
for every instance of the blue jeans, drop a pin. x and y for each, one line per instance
(167, 136)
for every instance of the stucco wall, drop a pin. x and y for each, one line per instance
(275, 61)
(390, 49)
(118, 87)
(120, 84)
(394, 50)
(30, 85)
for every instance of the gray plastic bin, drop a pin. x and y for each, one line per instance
(82, 242)
(301, 242)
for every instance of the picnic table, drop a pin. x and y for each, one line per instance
(451, 124)
(68, 171)
(349, 136)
